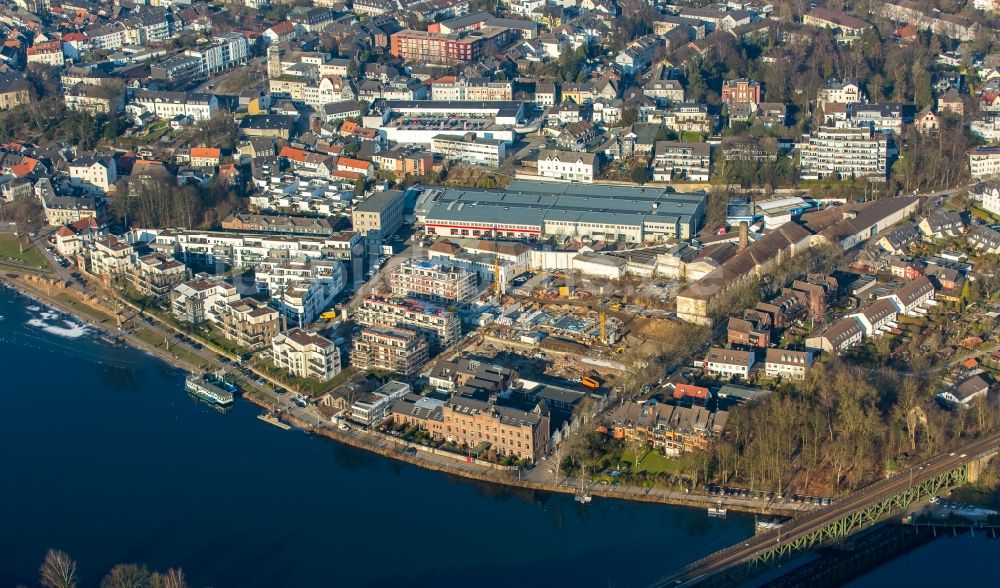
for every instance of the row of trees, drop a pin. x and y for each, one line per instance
(59, 570)
(156, 202)
(839, 432)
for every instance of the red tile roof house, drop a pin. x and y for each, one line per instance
(346, 164)
(697, 394)
(205, 156)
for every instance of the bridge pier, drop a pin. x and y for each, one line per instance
(977, 466)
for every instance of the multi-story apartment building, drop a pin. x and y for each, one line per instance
(476, 89)
(302, 288)
(380, 214)
(147, 27)
(47, 53)
(433, 281)
(845, 91)
(95, 174)
(224, 51)
(469, 148)
(741, 91)
(248, 323)
(110, 257)
(440, 327)
(847, 152)
(392, 349)
(92, 99)
(672, 430)
(179, 70)
(248, 250)
(155, 275)
(63, 210)
(464, 46)
(689, 118)
(568, 165)
(306, 355)
(984, 162)
(690, 161)
(791, 365)
(374, 408)
(167, 105)
(664, 91)
(109, 37)
(841, 335)
(508, 430)
(729, 363)
(201, 299)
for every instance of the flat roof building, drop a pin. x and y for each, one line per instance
(532, 209)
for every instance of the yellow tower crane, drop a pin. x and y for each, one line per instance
(496, 276)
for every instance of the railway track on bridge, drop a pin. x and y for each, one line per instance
(866, 506)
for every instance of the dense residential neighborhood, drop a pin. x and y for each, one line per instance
(677, 245)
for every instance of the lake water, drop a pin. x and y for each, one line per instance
(106, 457)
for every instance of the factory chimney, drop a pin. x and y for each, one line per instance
(744, 234)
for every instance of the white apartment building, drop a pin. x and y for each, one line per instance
(690, 161)
(984, 162)
(847, 91)
(248, 250)
(469, 148)
(729, 363)
(306, 355)
(301, 288)
(167, 105)
(110, 257)
(201, 299)
(110, 37)
(433, 281)
(94, 174)
(155, 274)
(988, 128)
(845, 152)
(374, 408)
(223, 52)
(989, 195)
(47, 53)
(788, 365)
(478, 90)
(568, 165)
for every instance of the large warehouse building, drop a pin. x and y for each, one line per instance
(533, 209)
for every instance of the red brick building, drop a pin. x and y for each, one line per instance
(741, 91)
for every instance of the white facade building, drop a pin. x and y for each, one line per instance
(306, 355)
(567, 165)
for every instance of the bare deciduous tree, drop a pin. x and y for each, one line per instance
(58, 570)
(127, 576)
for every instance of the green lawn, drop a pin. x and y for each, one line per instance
(307, 386)
(652, 462)
(31, 256)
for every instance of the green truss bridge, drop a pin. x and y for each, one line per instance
(858, 511)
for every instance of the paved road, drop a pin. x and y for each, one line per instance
(799, 527)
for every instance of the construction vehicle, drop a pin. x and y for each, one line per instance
(591, 383)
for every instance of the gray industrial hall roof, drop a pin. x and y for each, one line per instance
(528, 202)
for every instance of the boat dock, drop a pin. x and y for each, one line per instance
(208, 392)
(273, 420)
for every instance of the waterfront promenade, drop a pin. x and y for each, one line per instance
(89, 306)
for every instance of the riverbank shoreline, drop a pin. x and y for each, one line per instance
(389, 447)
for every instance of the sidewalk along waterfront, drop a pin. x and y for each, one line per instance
(163, 479)
(389, 446)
